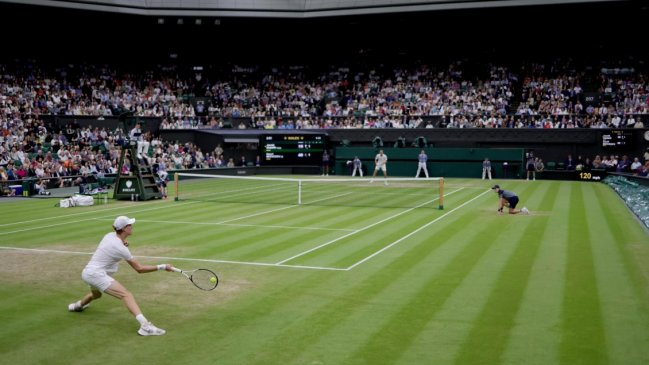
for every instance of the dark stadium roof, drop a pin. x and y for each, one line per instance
(153, 32)
(285, 8)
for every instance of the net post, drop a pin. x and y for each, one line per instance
(299, 192)
(441, 193)
(176, 186)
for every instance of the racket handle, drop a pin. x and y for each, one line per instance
(176, 269)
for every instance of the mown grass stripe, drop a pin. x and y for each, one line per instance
(582, 329)
(267, 315)
(376, 237)
(263, 243)
(348, 249)
(625, 310)
(534, 337)
(452, 323)
(419, 294)
(497, 317)
(417, 311)
(281, 301)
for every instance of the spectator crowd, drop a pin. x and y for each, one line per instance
(296, 97)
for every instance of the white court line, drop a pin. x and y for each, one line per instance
(244, 225)
(125, 206)
(247, 263)
(254, 215)
(415, 231)
(260, 263)
(226, 222)
(81, 220)
(131, 212)
(63, 216)
(276, 210)
(181, 259)
(360, 230)
(237, 192)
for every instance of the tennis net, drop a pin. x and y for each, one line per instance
(362, 192)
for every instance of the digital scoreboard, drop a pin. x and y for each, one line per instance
(617, 139)
(292, 149)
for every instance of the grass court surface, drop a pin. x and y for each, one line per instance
(338, 283)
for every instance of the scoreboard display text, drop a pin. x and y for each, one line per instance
(292, 149)
(617, 139)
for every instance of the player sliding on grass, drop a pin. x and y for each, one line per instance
(508, 198)
(104, 264)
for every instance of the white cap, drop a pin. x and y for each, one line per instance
(122, 221)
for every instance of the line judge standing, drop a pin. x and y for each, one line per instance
(358, 166)
(486, 168)
(423, 159)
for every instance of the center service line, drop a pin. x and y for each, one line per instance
(359, 230)
(415, 231)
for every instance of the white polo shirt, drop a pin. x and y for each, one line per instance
(109, 253)
(380, 160)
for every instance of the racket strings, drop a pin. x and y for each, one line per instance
(205, 279)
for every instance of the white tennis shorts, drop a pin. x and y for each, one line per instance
(97, 279)
(382, 167)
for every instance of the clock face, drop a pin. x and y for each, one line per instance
(646, 135)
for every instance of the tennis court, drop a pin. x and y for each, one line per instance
(356, 273)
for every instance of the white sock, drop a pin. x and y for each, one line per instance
(140, 318)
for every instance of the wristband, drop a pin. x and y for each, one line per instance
(162, 266)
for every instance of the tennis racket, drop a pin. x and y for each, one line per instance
(203, 279)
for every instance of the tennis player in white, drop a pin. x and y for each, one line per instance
(380, 163)
(104, 263)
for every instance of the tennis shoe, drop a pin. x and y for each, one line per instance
(148, 329)
(76, 307)
(525, 210)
